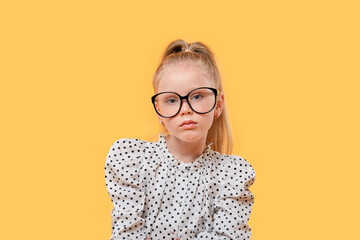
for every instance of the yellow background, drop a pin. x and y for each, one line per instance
(76, 76)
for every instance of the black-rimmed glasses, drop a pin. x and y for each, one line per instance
(201, 100)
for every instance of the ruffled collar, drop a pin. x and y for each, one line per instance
(198, 163)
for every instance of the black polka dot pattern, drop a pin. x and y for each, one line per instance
(156, 196)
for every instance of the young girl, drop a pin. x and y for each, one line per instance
(185, 185)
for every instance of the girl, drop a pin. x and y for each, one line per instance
(185, 185)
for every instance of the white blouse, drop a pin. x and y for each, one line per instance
(156, 196)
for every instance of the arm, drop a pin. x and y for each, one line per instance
(234, 203)
(126, 190)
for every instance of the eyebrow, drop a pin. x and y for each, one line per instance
(187, 91)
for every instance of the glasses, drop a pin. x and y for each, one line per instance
(201, 100)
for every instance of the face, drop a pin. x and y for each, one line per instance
(182, 78)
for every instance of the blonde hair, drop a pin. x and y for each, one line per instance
(179, 51)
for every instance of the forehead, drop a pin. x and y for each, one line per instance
(183, 77)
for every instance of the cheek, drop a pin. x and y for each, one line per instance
(170, 123)
(157, 106)
(207, 119)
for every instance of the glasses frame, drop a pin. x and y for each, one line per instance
(186, 97)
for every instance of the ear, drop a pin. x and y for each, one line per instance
(220, 104)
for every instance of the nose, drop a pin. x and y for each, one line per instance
(185, 108)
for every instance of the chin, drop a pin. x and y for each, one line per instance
(189, 136)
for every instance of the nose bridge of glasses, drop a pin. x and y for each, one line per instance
(185, 99)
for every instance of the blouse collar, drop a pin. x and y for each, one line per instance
(198, 163)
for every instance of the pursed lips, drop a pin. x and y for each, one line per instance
(187, 122)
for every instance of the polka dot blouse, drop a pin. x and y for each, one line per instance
(155, 196)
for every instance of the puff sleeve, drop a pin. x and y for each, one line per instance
(124, 182)
(234, 201)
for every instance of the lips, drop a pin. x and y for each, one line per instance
(188, 122)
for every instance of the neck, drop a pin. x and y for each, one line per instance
(185, 151)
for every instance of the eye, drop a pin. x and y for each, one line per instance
(171, 100)
(197, 97)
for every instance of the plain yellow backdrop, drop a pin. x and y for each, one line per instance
(76, 76)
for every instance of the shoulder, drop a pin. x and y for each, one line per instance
(129, 145)
(233, 168)
(125, 160)
(128, 151)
